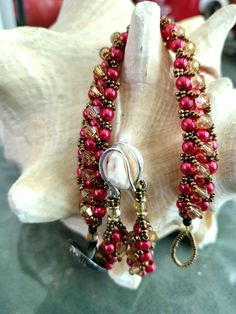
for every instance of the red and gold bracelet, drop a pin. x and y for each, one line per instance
(96, 130)
(199, 146)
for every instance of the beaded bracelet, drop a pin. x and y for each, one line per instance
(200, 146)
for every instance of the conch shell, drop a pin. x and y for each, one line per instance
(45, 75)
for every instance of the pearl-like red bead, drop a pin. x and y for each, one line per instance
(200, 181)
(124, 37)
(107, 114)
(187, 168)
(99, 194)
(166, 32)
(137, 229)
(188, 147)
(213, 166)
(90, 145)
(89, 184)
(108, 248)
(110, 93)
(79, 173)
(181, 63)
(146, 257)
(210, 187)
(113, 74)
(143, 245)
(195, 199)
(186, 103)
(175, 44)
(109, 266)
(204, 205)
(116, 54)
(188, 125)
(203, 135)
(82, 133)
(99, 212)
(99, 154)
(96, 102)
(151, 267)
(104, 134)
(201, 158)
(183, 82)
(181, 205)
(185, 188)
(116, 236)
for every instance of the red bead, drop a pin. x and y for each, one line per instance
(79, 173)
(181, 63)
(105, 64)
(143, 245)
(89, 184)
(90, 145)
(187, 168)
(91, 95)
(204, 205)
(213, 166)
(107, 114)
(100, 84)
(200, 111)
(110, 93)
(97, 175)
(82, 133)
(99, 194)
(108, 248)
(99, 154)
(201, 158)
(203, 135)
(124, 37)
(137, 229)
(116, 54)
(185, 188)
(96, 102)
(130, 262)
(104, 134)
(111, 259)
(85, 114)
(214, 145)
(181, 205)
(113, 74)
(175, 44)
(200, 181)
(188, 125)
(189, 147)
(94, 122)
(79, 153)
(166, 32)
(183, 82)
(99, 212)
(116, 236)
(186, 103)
(195, 199)
(146, 257)
(210, 187)
(109, 266)
(151, 267)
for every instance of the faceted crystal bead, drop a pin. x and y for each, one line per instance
(203, 170)
(89, 131)
(194, 66)
(99, 71)
(201, 192)
(95, 91)
(198, 81)
(189, 49)
(85, 211)
(135, 269)
(121, 249)
(153, 236)
(207, 149)
(194, 212)
(202, 101)
(93, 111)
(204, 122)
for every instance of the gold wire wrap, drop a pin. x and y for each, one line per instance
(182, 234)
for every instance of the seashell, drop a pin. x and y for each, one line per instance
(45, 76)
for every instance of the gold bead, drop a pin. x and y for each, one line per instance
(98, 71)
(92, 237)
(198, 81)
(104, 53)
(135, 269)
(95, 91)
(194, 66)
(121, 249)
(204, 122)
(180, 31)
(115, 37)
(189, 49)
(153, 236)
(194, 212)
(202, 101)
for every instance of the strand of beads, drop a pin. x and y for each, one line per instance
(96, 131)
(200, 146)
(142, 239)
